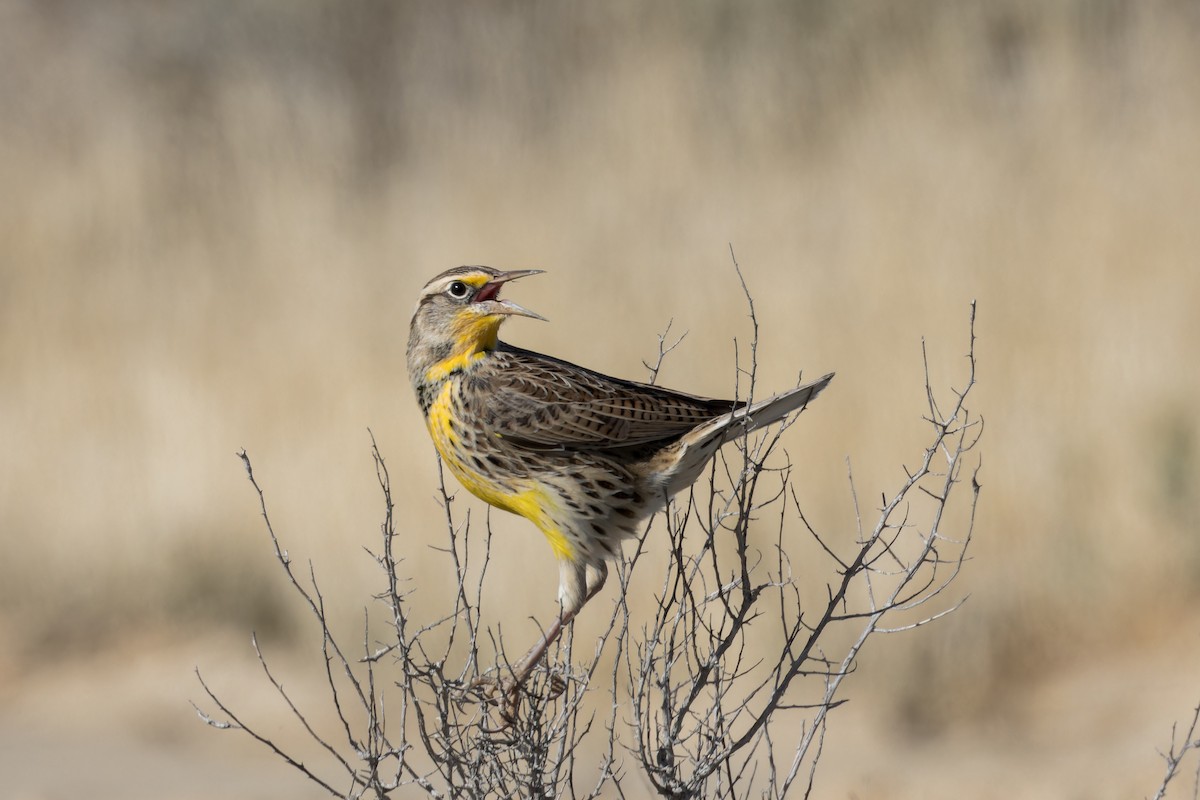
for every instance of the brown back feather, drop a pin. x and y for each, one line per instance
(539, 402)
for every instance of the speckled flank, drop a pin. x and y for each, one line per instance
(480, 469)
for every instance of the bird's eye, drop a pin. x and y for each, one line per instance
(459, 290)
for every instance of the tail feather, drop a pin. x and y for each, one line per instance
(699, 445)
(773, 409)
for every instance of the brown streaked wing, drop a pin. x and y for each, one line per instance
(540, 402)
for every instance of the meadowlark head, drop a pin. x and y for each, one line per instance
(457, 319)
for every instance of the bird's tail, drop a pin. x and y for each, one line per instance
(699, 445)
(773, 409)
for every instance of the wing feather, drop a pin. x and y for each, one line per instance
(542, 403)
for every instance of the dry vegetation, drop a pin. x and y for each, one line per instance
(216, 215)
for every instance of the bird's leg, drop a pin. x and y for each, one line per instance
(596, 579)
(577, 585)
(524, 667)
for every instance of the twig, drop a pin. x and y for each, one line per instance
(1178, 752)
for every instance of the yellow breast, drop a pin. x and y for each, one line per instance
(518, 496)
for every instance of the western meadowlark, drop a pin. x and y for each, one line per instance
(583, 456)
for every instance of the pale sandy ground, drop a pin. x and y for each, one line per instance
(119, 725)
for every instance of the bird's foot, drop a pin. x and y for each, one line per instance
(506, 691)
(502, 691)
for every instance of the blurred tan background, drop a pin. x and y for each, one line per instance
(215, 218)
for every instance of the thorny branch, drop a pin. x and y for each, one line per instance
(664, 350)
(1178, 752)
(444, 740)
(704, 706)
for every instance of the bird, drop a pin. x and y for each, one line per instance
(583, 456)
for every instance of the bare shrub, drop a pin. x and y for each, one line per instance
(722, 689)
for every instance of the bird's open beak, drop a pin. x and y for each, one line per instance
(491, 289)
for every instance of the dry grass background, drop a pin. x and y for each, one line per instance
(216, 215)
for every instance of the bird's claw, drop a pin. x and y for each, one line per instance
(504, 692)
